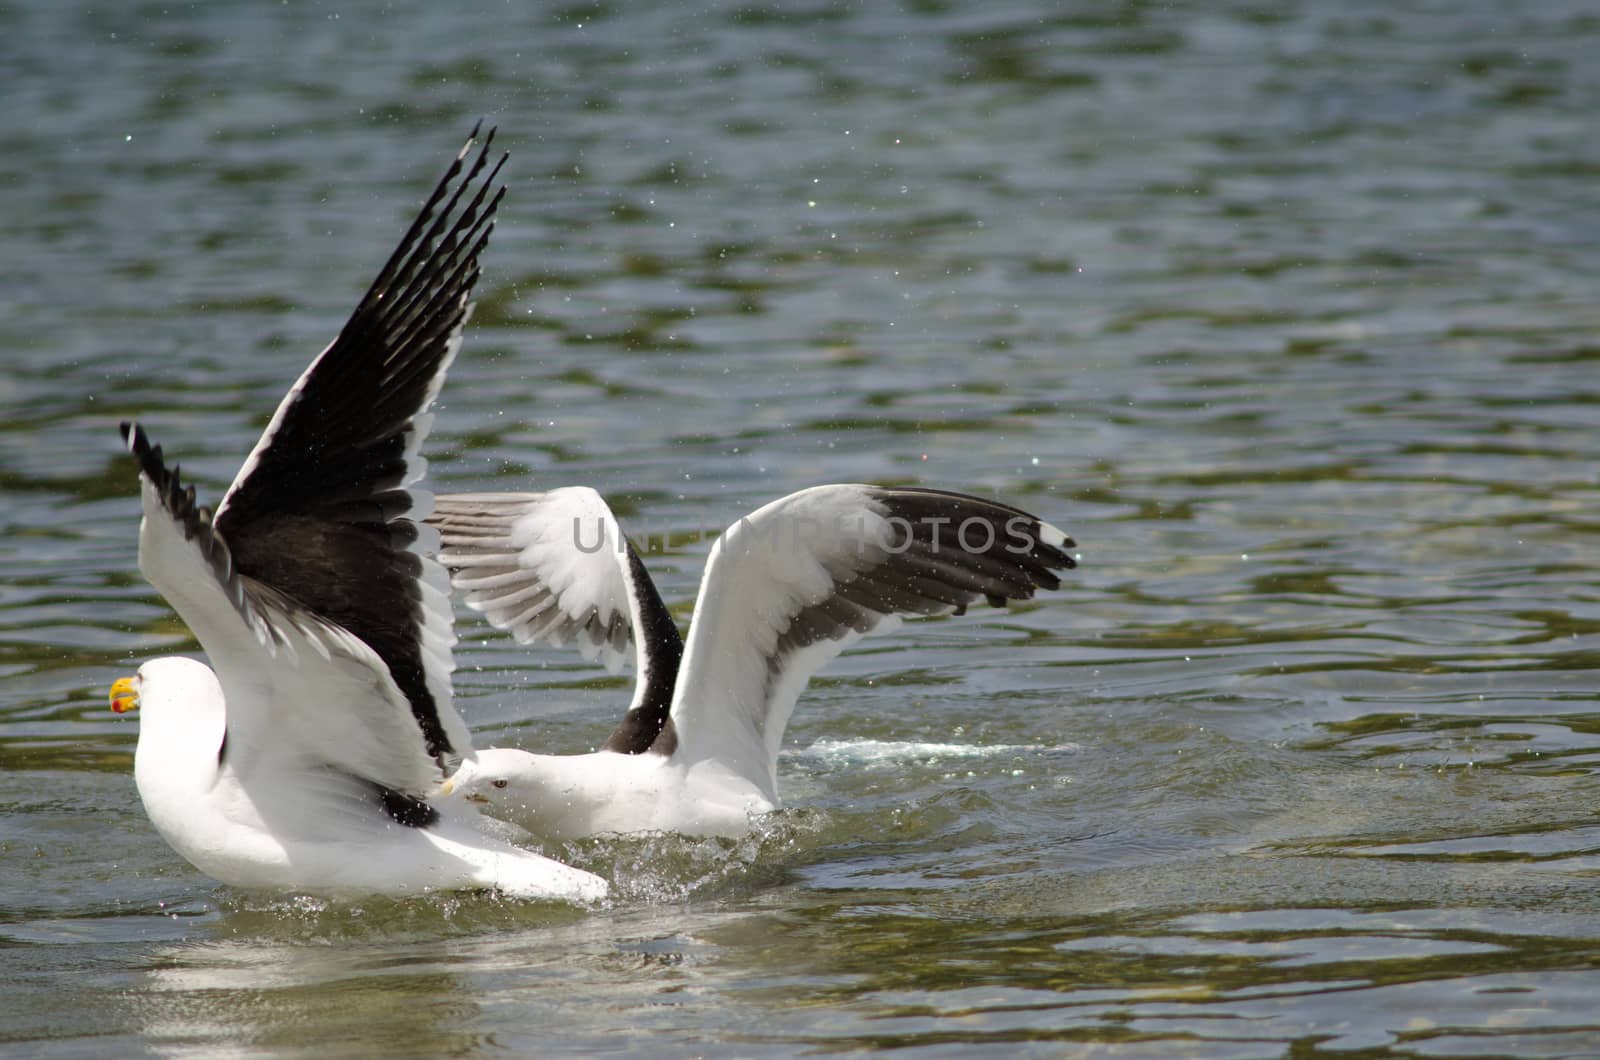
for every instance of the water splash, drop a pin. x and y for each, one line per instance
(836, 753)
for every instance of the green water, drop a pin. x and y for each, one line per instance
(1286, 312)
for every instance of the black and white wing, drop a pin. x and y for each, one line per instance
(791, 585)
(555, 567)
(298, 687)
(312, 588)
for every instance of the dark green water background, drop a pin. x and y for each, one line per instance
(1287, 311)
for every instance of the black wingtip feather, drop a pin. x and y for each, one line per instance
(178, 499)
(931, 566)
(1014, 559)
(180, 503)
(138, 443)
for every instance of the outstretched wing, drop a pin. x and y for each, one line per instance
(555, 567)
(324, 511)
(790, 586)
(299, 686)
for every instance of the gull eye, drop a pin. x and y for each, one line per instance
(502, 782)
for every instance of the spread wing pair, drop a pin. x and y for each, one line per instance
(305, 758)
(786, 588)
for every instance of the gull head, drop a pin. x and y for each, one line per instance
(504, 783)
(182, 725)
(174, 685)
(496, 776)
(555, 796)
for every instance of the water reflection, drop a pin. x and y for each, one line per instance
(249, 997)
(423, 977)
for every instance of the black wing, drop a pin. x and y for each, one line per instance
(322, 509)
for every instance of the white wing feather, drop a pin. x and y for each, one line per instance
(546, 567)
(796, 582)
(735, 693)
(318, 692)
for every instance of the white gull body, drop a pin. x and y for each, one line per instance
(303, 758)
(785, 589)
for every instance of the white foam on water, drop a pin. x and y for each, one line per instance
(872, 752)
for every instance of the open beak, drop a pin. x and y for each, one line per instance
(125, 694)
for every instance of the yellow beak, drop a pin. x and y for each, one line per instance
(125, 694)
(449, 787)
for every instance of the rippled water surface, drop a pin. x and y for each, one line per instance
(1286, 311)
